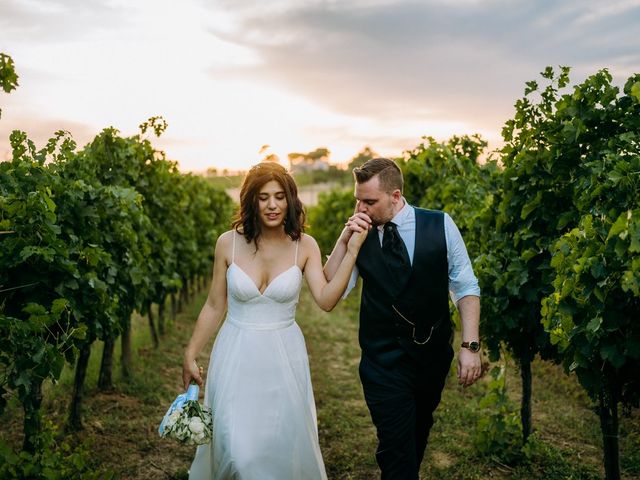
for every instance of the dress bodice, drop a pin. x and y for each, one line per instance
(272, 309)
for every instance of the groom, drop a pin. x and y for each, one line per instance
(410, 262)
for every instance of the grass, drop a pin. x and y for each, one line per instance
(121, 426)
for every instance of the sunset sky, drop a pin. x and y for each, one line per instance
(232, 76)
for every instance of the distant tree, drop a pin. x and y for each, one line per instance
(272, 157)
(361, 158)
(268, 157)
(318, 154)
(317, 159)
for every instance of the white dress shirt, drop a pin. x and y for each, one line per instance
(462, 281)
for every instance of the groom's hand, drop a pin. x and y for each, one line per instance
(469, 367)
(358, 222)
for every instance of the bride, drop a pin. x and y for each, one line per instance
(258, 383)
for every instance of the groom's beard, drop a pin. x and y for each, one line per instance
(376, 222)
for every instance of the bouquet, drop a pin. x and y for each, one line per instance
(186, 420)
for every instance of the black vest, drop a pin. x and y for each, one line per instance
(388, 308)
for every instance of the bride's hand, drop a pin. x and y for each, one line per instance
(191, 371)
(356, 241)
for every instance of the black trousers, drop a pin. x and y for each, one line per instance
(401, 399)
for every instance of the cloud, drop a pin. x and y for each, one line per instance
(427, 60)
(37, 21)
(297, 75)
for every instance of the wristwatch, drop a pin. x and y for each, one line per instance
(473, 346)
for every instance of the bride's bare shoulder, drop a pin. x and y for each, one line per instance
(224, 244)
(308, 244)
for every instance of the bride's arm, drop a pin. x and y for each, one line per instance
(211, 312)
(328, 293)
(356, 223)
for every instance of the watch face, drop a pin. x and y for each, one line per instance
(474, 346)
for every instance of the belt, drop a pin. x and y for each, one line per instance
(261, 326)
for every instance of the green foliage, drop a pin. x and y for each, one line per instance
(157, 124)
(37, 272)
(555, 146)
(8, 75)
(498, 433)
(571, 167)
(181, 215)
(328, 217)
(209, 210)
(533, 208)
(55, 461)
(113, 166)
(87, 238)
(35, 348)
(591, 312)
(448, 176)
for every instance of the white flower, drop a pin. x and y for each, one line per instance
(196, 425)
(189, 424)
(173, 418)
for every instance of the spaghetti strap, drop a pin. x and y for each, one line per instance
(233, 248)
(297, 244)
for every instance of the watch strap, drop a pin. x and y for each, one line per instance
(473, 346)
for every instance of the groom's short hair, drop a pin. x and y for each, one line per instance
(388, 172)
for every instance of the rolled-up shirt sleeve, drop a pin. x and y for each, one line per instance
(462, 280)
(352, 282)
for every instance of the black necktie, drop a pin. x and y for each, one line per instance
(395, 252)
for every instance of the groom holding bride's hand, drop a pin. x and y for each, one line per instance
(409, 265)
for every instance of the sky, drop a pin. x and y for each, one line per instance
(231, 76)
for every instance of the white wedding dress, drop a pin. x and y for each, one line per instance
(259, 387)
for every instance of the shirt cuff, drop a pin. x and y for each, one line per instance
(455, 297)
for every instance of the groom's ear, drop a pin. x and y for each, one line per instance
(396, 195)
